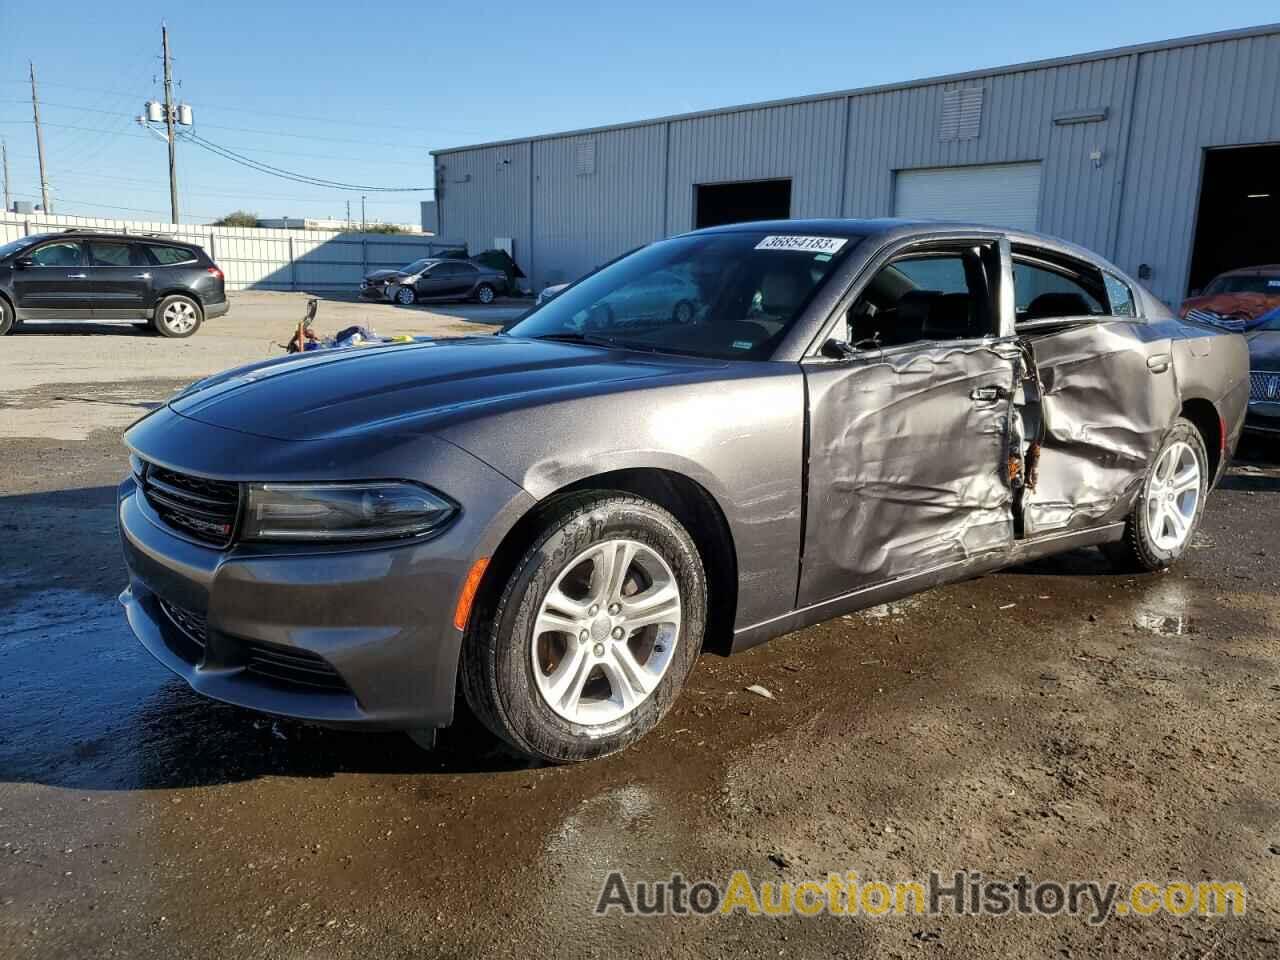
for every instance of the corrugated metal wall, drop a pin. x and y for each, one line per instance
(1187, 100)
(254, 258)
(1135, 203)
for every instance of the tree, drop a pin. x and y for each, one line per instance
(382, 228)
(237, 218)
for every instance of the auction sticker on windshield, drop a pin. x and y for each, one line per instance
(805, 244)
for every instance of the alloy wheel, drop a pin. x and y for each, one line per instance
(1173, 496)
(606, 632)
(180, 317)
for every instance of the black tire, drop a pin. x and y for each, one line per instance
(7, 322)
(1138, 551)
(173, 328)
(497, 673)
(485, 293)
(408, 301)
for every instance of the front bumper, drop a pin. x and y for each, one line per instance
(373, 623)
(374, 291)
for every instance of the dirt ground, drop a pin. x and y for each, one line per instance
(1057, 719)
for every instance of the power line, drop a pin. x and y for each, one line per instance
(257, 130)
(261, 167)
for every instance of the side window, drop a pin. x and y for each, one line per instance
(164, 256)
(1120, 296)
(1045, 291)
(105, 254)
(927, 295)
(63, 254)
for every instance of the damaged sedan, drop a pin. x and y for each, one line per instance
(557, 520)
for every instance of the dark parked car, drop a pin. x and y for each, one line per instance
(435, 279)
(78, 275)
(560, 518)
(1248, 300)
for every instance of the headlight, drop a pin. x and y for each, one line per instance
(343, 511)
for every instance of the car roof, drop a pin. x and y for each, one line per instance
(887, 229)
(104, 235)
(1261, 270)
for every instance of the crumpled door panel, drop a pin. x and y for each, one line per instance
(906, 468)
(1105, 412)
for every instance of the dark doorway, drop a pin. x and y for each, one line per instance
(1239, 220)
(717, 203)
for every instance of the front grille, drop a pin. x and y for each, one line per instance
(201, 508)
(291, 665)
(1264, 386)
(286, 666)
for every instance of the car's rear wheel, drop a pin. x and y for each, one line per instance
(177, 317)
(486, 293)
(406, 296)
(7, 323)
(1168, 511)
(594, 633)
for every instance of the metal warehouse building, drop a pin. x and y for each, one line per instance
(1164, 157)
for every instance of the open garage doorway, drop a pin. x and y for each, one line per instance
(717, 203)
(1239, 220)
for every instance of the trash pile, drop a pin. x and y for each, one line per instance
(305, 338)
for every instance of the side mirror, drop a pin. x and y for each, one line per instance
(23, 262)
(1195, 292)
(835, 349)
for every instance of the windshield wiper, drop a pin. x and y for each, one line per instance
(569, 337)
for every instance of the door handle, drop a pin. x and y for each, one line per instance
(988, 394)
(1159, 362)
(142, 276)
(76, 276)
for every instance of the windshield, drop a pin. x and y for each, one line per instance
(1245, 284)
(732, 296)
(416, 267)
(13, 246)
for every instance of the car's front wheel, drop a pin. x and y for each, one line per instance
(406, 296)
(486, 293)
(593, 635)
(177, 317)
(1168, 511)
(7, 323)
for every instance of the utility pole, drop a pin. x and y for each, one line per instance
(363, 222)
(4, 157)
(348, 214)
(35, 112)
(168, 123)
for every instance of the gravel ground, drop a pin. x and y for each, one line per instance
(1056, 719)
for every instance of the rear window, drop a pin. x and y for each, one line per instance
(165, 255)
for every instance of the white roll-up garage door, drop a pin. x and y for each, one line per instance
(1001, 194)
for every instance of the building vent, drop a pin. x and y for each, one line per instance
(961, 114)
(586, 162)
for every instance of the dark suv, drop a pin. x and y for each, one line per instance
(78, 275)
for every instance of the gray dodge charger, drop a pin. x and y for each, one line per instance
(827, 414)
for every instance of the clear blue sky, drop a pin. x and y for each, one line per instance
(358, 92)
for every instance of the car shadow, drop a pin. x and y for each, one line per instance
(116, 328)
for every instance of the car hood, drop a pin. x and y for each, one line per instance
(1264, 350)
(380, 275)
(413, 387)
